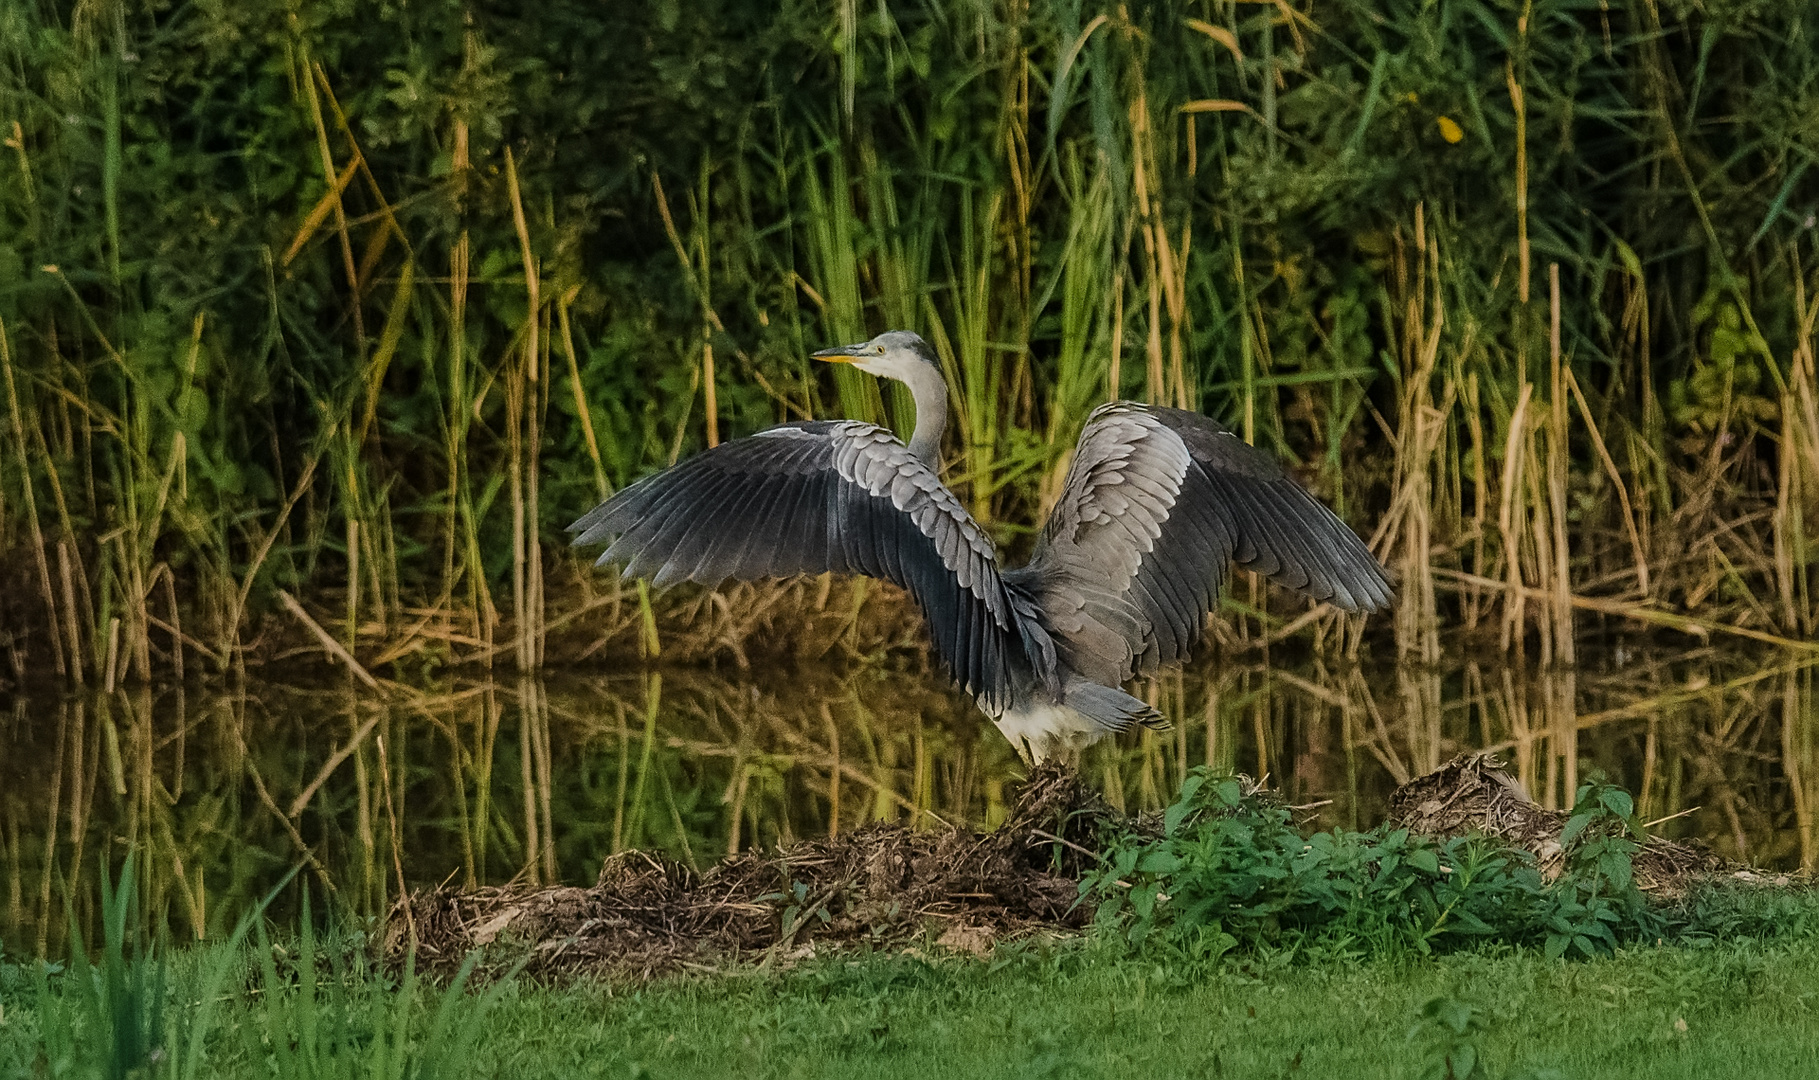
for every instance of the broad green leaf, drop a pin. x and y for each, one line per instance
(1462, 1062)
(1574, 826)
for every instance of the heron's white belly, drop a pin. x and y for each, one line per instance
(1039, 731)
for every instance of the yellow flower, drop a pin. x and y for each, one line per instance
(1450, 131)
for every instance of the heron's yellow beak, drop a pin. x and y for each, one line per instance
(840, 354)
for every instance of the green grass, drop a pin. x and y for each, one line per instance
(1748, 1012)
(1747, 1008)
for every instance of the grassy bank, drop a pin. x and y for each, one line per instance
(1746, 1012)
(307, 310)
(1741, 1009)
(1241, 948)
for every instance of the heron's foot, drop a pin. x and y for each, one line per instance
(1031, 760)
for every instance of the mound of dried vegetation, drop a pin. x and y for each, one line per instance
(885, 885)
(1473, 794)
(1225, 866)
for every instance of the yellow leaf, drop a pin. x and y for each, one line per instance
(1450, 131)
(1215, 105)
(1220, 34)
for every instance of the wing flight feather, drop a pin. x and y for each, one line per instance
(1156, 504)
(836, 496)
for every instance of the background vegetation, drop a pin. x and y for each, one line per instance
(361, 304)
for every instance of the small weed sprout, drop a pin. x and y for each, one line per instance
(1451, 1028)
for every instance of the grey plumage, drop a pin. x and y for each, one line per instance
(823, 496)
(1156, 504)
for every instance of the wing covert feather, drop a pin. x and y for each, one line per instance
(1156, 504)
(837, 496)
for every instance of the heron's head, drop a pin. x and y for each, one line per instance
(894, 354)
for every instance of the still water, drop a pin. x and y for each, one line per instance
(220, 792)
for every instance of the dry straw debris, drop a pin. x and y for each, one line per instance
(1473, 793)
(885, 885)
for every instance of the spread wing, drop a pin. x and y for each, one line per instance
(1157, 503)
(811, 497)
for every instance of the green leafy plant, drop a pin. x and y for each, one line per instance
(1230, 870)
(1596, 898)
(1451, 1028)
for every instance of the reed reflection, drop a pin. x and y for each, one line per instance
(536, 781)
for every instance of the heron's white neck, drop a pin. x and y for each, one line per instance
(929, 391)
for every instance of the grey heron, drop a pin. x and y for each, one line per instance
(1156, 504)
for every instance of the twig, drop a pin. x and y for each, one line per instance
(329, 766)
(1685, 623)
(183, 637)
(1093, 855)
(328, 641)
(231, 639)
(265, 796)
(391, 813)
(1670, 817)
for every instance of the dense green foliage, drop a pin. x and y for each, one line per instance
(1230, 871)
(270, 323)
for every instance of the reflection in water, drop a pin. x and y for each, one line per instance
(536, 781)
